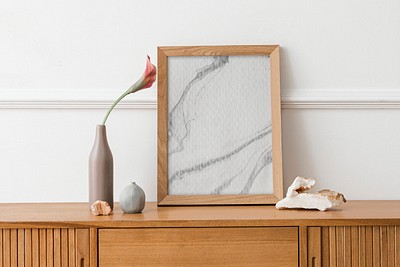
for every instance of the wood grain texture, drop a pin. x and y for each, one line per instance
(370, 246)
(276, 123)
(355, 246)
(340, 246)
(35, 247)
(14, 247)
(397, 258)
(42, 247)
(332, 246)
(376, 245)
(269, 246)
(77, 215)
(324, 246)
(93, 247)
(28, 247)
(6, 248)
(391, 231)
(21, 247)
(314, 246)
(71, 248)
(226, 50)
(190, 200)
(359, 233)
(57, 247)
(82, 248)
(64, 247)
(162, 126)
(49, 247)
(362, 245)
(163, 198)
(384, 246)
(347, 246)
(303, 246)
(1, 247)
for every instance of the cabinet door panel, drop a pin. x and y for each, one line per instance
(354, 246)
(268, 246)
(44, 247)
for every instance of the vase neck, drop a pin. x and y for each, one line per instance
(101, 134)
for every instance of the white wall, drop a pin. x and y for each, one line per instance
(63, 62)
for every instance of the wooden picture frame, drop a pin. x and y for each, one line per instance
(228, 80)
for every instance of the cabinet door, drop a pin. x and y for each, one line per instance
(354, 246)
(247, 246)
(44, 247)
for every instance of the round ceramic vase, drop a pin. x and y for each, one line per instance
(132, 199)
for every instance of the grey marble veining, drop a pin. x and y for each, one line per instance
(219, 125)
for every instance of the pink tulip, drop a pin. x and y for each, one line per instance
(146, 81)
(149, 75)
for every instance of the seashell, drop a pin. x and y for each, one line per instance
(100, 208)
(132, 199)
(297, 199)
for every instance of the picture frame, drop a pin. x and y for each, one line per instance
(219, 125)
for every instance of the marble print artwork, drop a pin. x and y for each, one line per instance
(219, 125)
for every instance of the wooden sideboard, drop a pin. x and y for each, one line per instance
(358, 233)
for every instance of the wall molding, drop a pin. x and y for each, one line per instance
(342, 99)
(74, 99)
(147, 99)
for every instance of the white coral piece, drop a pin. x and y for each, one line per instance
(322, 200)
(299, 185)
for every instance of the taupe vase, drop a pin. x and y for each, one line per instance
(101, 170)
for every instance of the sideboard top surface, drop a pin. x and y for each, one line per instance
(79, 215)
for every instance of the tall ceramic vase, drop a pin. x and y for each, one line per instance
(101, 171)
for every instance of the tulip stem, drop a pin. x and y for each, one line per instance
(133, 88)
(113, 105)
